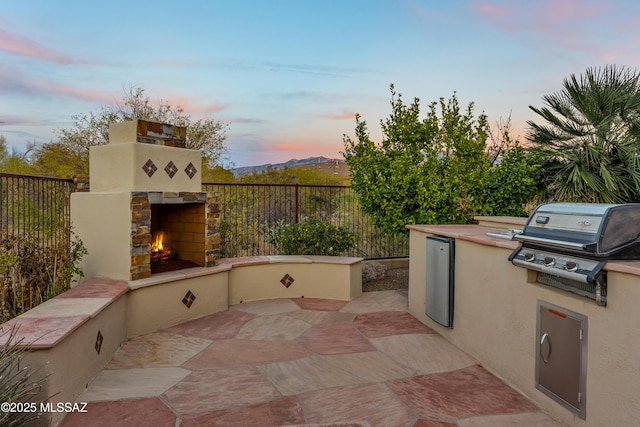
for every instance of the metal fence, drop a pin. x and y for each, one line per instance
(39, 206)
(246, 209)
(35, 206)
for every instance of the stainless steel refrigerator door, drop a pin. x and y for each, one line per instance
(439, 281)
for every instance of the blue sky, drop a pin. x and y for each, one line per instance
(289, 76)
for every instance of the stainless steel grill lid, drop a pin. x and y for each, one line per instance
(570, 243)
(596, 231)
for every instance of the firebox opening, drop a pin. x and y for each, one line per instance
(178, 236)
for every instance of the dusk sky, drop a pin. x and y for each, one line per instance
(288, 76)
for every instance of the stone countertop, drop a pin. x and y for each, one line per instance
(472, 233)
(507, 220)
(478, 234)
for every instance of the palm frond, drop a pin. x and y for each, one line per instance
(591, 136)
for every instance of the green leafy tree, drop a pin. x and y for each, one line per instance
(216, 173)
(57, 159)
(591, 137)
(434, 170)
(14, 162)
(207, 135)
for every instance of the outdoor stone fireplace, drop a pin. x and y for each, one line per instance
(145, 212)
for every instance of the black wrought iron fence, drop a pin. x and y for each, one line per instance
(246, 209)
(39, 206)
(37, 255)
(35, 206)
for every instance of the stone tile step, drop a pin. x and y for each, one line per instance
(423, 353)
(455, 395)
(335, 338)
(241, 352)
(282, 411)
(342, 424)
(133, 412)
(158, 349)
(221, 325)
(116, 384)
(322, 372)
(220, 389)
(374, 403)
(385, 323)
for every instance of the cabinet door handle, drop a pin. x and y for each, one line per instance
(545, 337)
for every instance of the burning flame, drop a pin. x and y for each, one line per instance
(157, 246)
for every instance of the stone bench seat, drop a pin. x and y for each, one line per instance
(47, 324)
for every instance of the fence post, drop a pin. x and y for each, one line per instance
(297, 218)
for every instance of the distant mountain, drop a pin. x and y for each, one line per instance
(246, 170)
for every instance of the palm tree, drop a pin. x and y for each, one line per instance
(591, 139)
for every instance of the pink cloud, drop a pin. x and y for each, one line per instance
(189, 104)
(276, 149)
(561, 16)
(11, 82)
(91, 95)
(244, 120)
(343, 115)
(195, 106)
(310, 145)
(578, 25)
(563, 11)
(290, 147)
(491, 10)
(17, 120)
(23, 46)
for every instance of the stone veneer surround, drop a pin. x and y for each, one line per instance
(195, 219)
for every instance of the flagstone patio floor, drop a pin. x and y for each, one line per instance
(295, 362)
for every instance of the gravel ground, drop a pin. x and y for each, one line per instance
(397, 278)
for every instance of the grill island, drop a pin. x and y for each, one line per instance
(574, 358)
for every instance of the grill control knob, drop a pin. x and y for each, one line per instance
(549, 261)
(571, 266)
(529, 257)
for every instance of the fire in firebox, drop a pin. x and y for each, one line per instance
(158, 250)
(164, 258)
(157, 244)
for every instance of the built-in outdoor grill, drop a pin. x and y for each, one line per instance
(568, 244)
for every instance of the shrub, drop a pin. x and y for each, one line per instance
(313, 237)
(31, 273)
(16, 382)
(273, 233)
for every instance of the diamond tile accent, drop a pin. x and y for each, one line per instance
(99, 340)
(149, 168)
(188, 299)
(191, 170)
(171, 169)
(287, 280)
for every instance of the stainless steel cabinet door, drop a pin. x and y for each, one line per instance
(561, 356)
